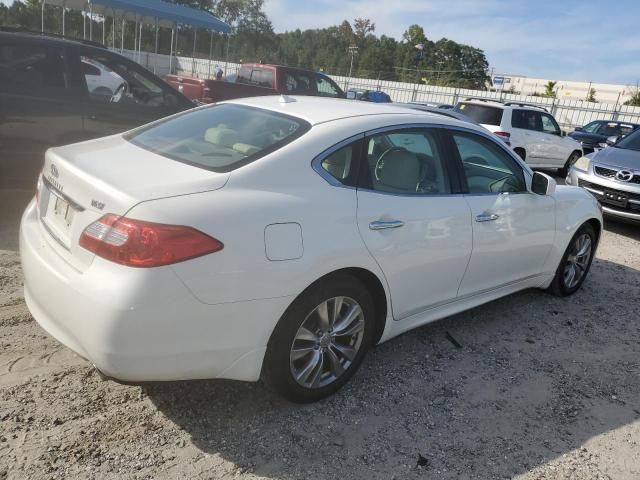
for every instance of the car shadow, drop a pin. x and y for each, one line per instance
(12, 204)
(490, 393)
(621, 227)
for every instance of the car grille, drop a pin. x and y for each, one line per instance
(611, 197)
(611, 173)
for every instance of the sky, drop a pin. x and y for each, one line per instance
(588, 40)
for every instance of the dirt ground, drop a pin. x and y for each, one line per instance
(540, 388)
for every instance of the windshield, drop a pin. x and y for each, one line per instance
(481, 113)
(630, 142)
(614, 129)
(220, 138)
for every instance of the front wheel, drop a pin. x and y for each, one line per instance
(320, 340)
(575, 263)
(573, 158)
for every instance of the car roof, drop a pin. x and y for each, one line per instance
(7, 32)
(317, 110)
(495, 103)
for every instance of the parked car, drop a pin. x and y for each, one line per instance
(596, 135)
(254, 80)
(282, 237)
(612, 175)
(437, 111)
(376, 96)
(532, 131)
(55, 91)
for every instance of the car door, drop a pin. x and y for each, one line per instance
(513, 229)
(124, 95)
(39, 107)
(411, 219)
(556, 147)
(527, 123)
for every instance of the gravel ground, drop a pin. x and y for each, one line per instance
(538, 388)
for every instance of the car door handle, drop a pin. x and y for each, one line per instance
(383, 225)
(487, 217)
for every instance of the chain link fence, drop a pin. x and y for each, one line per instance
(569, 113)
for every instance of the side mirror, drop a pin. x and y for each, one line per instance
(613, 140)
(577, 129)
(563, 133)
(543, 184)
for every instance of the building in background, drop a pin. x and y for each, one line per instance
(523, 85)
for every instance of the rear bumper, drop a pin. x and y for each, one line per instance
(142, 324)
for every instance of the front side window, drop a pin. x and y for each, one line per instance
(326, 88)
(549, 125)
(488, 168)
(630, 142)
(111, 79)
(34, 70)
(220, 138)
(405, 162)
(298, 83)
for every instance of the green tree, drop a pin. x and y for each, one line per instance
(591, 97)
(549, 89)
(634, 92)
(414, 34)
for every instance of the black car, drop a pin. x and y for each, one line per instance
(55, 91)
(594, 135)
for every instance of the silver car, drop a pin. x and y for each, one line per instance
(612, 175)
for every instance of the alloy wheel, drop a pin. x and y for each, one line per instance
(327, 342)
(577, 260)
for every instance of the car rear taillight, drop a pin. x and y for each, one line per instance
(144, 244)
(506, 136)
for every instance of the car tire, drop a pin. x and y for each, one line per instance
(300, 361)
(565, 283)
(573, 158)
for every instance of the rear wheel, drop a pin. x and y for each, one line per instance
(321, 339)
(573, 158)
(575, 263)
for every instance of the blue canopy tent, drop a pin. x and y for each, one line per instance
(151, 12)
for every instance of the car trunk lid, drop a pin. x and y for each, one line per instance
(82, 182)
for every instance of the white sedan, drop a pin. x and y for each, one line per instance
(282, 237)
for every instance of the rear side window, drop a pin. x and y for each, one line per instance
(220, 138)
(483, 114)
(36, 70)
(527, 119)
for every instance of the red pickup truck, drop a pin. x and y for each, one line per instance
(256, 79)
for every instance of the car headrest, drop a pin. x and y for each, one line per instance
(399, 170)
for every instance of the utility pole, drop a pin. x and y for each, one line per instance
(353, 51)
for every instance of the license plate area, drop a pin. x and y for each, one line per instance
(615, 198)
(58, 217)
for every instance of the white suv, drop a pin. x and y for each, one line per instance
(531, 131)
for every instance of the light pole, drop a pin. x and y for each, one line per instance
(353, 51)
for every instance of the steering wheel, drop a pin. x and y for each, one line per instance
(119, 92)
(380, 162)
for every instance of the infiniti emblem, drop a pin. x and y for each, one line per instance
(624, 175)
(54, 171)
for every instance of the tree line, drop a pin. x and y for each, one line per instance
(349, 47)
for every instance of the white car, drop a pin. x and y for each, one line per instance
(531, 131)
(284, 236)
(100, 79)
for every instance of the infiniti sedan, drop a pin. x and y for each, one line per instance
(612, 175)
(282, 237)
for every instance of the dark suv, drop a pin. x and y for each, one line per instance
(55, 91)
